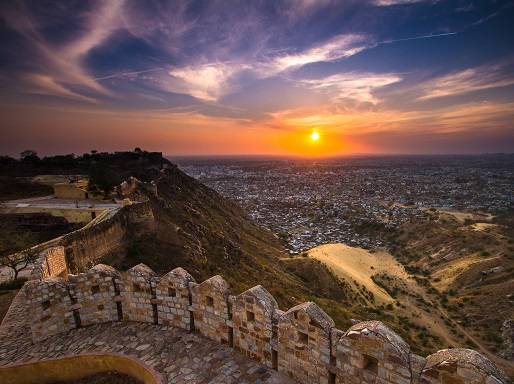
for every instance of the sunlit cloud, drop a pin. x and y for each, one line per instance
(353, 85)
(206, 82)
(46, 85)
(350, 69)
(100, 25)
(336, 48)
(211, 81)
(466, 81)
(487, 116)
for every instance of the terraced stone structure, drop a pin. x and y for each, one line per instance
(301, 343)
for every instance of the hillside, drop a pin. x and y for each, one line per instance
(427, 317)
(462, 264)
(198, 229)
(359, 266)
(201, 231)
(430, 288)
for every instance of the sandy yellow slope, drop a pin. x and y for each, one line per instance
(357, 264)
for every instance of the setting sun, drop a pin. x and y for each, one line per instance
(314, 136)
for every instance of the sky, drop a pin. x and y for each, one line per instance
(257, 77)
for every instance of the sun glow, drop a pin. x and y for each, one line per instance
(314, 136)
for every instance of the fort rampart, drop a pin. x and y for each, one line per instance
(301, 342)
(85, 247)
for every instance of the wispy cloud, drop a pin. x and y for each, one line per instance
(127, 74)
(354, 86)
(386, 3)
(336, 48)
(466, 81)
(485, 116)
(207, 82)
(101, 23)
(59, 68)
(46, 85)
(213, 80)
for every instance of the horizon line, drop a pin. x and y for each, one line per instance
(335, 156)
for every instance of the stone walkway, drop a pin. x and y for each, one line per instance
(179, 356)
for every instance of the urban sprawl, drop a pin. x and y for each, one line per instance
(307, 203)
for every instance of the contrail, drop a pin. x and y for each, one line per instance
(127, 74)
(418, 37)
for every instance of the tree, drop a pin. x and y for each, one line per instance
(19, 261)
(29, 155)
(102, 178)
(14, 250)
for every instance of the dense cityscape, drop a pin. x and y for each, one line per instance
(308, 203)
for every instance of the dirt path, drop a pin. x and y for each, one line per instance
(507, 366)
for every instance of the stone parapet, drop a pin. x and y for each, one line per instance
(174, 298)
(93, 295)
(50, 307)
(301, 342)
(138, 293)
(253, 321)
(211, 309)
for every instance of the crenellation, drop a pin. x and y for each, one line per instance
(174, 298)
(301, 342)
(371, 351)
(49, 307)
(211, 309)
(252, 318)
(304, 343)
(138, 292)
(460, 365)
(94, 292)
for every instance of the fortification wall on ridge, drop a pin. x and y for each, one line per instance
(301, 342)
(79, 250)
(86, 246)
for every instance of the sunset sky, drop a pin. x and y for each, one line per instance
(257, 77)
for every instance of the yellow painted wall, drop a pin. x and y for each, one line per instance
(76, 367)
(69, 191)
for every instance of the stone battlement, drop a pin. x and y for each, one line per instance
(301, 342)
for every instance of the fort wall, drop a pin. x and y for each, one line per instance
(51, 262)
(86, 246)
(301, 342)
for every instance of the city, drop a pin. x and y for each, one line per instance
(311, 202)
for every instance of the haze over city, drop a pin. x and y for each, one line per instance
(301, 78)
